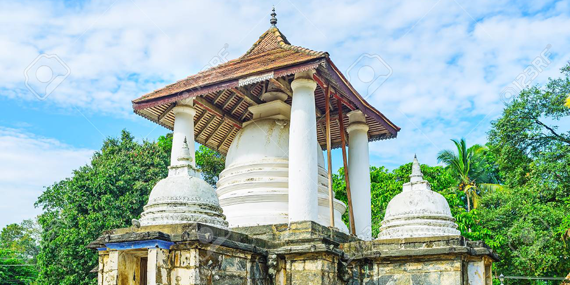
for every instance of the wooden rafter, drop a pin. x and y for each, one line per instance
(242, 92)
(229, 101)
(215, 130)
(226, 138)
(219, 96)
(199, 119)
(166, 111)
(217, 111)
(206, 126)
(236, 106)
(282, 85)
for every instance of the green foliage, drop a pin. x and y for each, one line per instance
(211, 163)
(105, 194)
(22, 238)
(18, 250)
(472, 170)
(529, 221)
(15, 268)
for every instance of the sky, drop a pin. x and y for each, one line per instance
(439, 69)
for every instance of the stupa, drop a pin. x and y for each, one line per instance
(273, 218)
(418, 211)
(183, 197)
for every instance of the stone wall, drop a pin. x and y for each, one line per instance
(304, 253)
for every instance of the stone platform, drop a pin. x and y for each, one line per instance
(302, 253)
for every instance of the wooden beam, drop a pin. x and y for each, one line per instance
(205, 127)
(217, 111)
(344, 101)
(247, 96)
(199, 119)
(166, 111)
(229, 101)
(215, 130)
(226, 138)
(236, 106)
(219, 96)
(329, 155)
(282, 85)
(344, 161)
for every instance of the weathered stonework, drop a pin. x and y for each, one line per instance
(302, 253)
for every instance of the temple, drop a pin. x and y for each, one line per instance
(273, 218)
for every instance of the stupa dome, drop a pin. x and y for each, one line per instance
(417, 211)
(183, 197)
(253, 188)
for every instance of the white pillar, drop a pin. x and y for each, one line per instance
(359, 173)
(303, 163)
(183, 128)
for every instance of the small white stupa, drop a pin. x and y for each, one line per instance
(417, 211)
(183, 197)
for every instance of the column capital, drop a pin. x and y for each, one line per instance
(356, 116)
(357, 126)
(304, 80)
(184, 109)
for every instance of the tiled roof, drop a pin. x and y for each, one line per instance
(223, 94)
(270, 52)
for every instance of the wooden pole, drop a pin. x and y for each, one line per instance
(344, 160)
(329, 155)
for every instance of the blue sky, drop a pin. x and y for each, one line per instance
(440, 69)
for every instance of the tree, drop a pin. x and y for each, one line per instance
(105, 194)
(18, 251)
(530, 216)
(22, 238)
(470, 168)
(14, 268)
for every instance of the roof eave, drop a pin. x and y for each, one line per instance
(368, 109)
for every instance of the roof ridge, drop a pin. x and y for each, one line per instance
(283, 43)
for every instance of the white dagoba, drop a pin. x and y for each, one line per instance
(303, 171)
(418, 211)
(254, 187)
(359, 173)
(183, 197)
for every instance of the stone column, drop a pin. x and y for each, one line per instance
(183, 128)
(303, 163)
(157, 267)
(110, 271)
(359, 173)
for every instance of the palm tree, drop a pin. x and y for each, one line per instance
(466, 167)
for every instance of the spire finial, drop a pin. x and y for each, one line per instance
(416, 171)
(273, 20)
(185, 153)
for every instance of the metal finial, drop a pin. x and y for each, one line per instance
(273, 20)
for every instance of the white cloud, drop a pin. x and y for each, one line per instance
(450, 58)
(28, 163)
